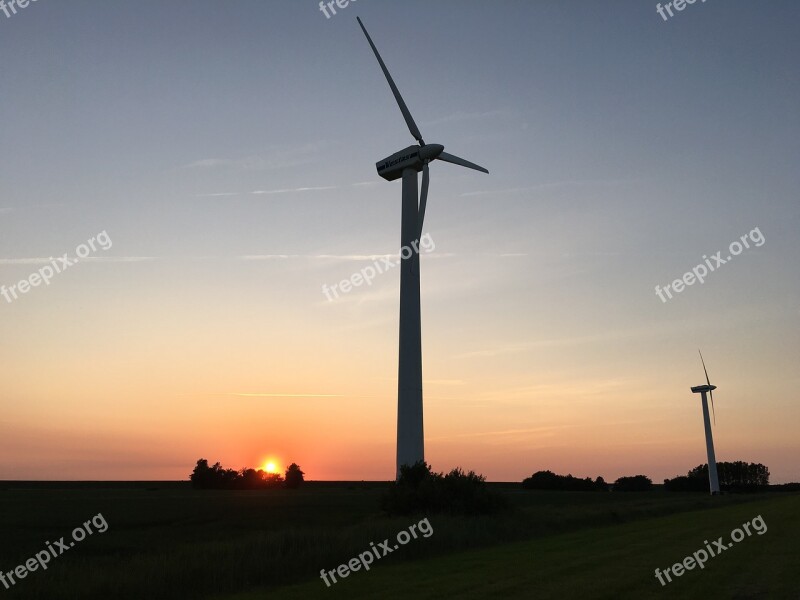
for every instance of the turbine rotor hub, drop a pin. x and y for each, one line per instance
(430, 152)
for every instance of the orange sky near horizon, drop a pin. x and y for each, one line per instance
(145, 397)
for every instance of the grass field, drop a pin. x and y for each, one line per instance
(169, 541)
(608, 562)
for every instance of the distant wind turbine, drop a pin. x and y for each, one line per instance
(407, 163)
(712, 461)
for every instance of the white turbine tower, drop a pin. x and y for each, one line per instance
(712, 461)
(407, 163)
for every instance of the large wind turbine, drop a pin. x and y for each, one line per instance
(407, 163)
(713, 481)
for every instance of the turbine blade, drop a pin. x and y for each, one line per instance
(704, 367)
(423, 197)
(412, 126)
(461, 162)
(712, 407)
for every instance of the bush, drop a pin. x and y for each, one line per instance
(684, 483)
(786, 487)
(420, 490)
(216, 478)
(294, 477)
(637, 483)
(547, 480)
(735, 476)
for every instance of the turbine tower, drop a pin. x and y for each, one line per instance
(407, 163)
(713, 481)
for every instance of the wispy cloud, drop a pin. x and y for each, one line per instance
(265, 395)
(98, 259)
(320, 188)
(499, 349)
(268, 192)
(339, 257)
(295, 190)
(548, 186)
(276, 157)
(504, 433)
(515, 348)
(119, 259)
(336, 257)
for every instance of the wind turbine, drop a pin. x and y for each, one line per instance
(712, 461)
(407, 163)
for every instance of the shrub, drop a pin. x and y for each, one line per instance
(637, 483)
(216, 478)
(547, 480)
(294, 476)
(420, 490)
(684, 483)
(735, 476)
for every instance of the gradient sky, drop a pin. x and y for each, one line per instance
(229, 148)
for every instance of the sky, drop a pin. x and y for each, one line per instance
(225, 153)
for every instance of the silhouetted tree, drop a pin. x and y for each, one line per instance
(272, 480)
(214, 477)
(217, 478)
(547, 480)
(735, 476)
(419, 489)
(685, 483)
(787, 487)
(201, 477)
(294, 476)
(637, 483)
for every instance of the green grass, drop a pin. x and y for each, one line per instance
(608, 562)
(168, 541)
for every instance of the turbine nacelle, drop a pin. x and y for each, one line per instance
(699, 389)
(413, 157)
(417, 157)
(392, 167)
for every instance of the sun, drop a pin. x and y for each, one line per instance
(270, 467)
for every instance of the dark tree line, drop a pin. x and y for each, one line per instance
(547, 480)
(735, 476)
(214, 477)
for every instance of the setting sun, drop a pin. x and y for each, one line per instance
(270, 467)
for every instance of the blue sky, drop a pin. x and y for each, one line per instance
(233, 145)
